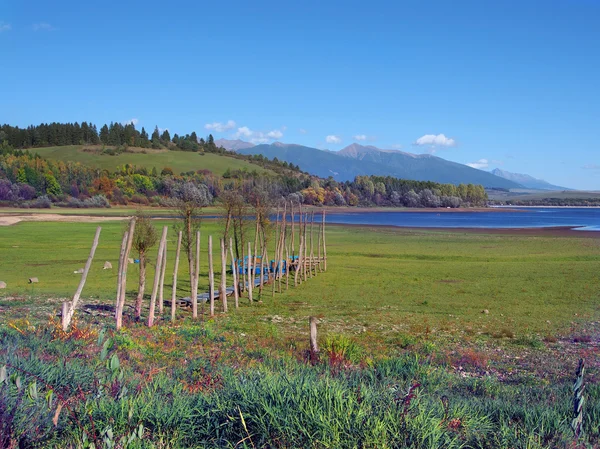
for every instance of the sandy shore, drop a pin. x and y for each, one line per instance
(7, 220)
(556, 231)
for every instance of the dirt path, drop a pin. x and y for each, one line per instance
(7, 220)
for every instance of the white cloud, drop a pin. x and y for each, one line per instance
(333, 139)
(258, 137)
(480, 164)
(133, 121)
(244, 131)
(43, 27)
(302, 131)
(591, 167)
(220, 127)
(360, 137)
(397, 146)
(5, 27)
(435, 141)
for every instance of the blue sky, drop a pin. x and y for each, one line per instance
(509, 84)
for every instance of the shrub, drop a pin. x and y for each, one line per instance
(139, 199)
(43, 202)
(96, 201)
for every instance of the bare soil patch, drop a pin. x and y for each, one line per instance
(8, 220)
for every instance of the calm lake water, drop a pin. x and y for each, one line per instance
(583, 218)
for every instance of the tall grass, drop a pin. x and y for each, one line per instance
(401, 402)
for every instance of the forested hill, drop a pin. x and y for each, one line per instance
(68, 174)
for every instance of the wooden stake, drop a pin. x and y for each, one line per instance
(293, 231)
(305, 248)
(314, 347)
(234, 264)
(211, 277)
(243, 270)
(223, 276)
(279, 262)
(161, 297)
(263, 252)
(249, 267)
(159, 261)
(195, 277)
(324, 246)
(66, 318)
(312, 252)
(319, 263)
(118, 308)
(287, 268)
(174, 294)
(298, 272)
(123, 287)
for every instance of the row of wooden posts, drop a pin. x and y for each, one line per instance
(305, 263)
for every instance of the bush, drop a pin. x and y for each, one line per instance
(43, 202)
(96, 201)
(139, 199)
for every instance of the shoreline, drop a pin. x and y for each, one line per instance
(553, 231)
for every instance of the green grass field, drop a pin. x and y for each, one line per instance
(179, 161)
(408, 359)
(380, 282)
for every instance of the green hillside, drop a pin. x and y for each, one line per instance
(179, 161)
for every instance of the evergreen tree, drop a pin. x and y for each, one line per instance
(104, 135)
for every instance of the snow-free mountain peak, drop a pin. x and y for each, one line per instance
(526, 180)
(233, 145)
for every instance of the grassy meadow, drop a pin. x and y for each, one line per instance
(409, 356)
(179, 161)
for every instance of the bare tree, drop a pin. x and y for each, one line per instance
(190, 199)
(144, 238)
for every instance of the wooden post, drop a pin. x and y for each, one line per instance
(250, 264)
(263, 255)
(195, 276)
(161, 288)
(211, 277)
(174, 294)
(287, 268)
(305, 237)
(159, 261)
(234, 264)
(130, 236)
(297, 273)
(319, 263)
(281, 246)
(118, 308)
(293, 231)
(312, 252)
(122, 277)
(314, 347)
(324, 246)
(223, 276)
(243, 270)
(249, 267)
(66, 317)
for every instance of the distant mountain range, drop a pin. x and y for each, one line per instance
(233, 145)
(527, 181)
(355, 160)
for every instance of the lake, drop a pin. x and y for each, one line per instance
(582, 218)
